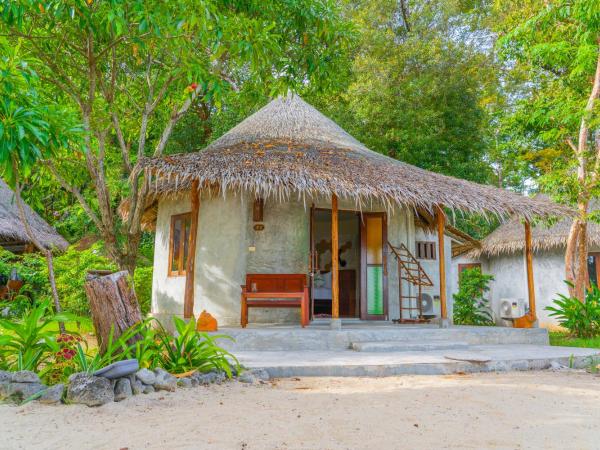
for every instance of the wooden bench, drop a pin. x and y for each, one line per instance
(275, 291)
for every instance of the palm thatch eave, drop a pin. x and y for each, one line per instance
(12, 228)
(508, 238)
(289, 148)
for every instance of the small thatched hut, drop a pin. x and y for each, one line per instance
(501, 255)
(12, 232)
(288, 191)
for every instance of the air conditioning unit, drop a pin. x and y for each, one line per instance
(513, 308)
(427, 304)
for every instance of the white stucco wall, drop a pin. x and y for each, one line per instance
(223, 256)
(510, 280)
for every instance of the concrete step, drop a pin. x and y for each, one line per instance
(348, 363)
(294, 338)
(408, 346)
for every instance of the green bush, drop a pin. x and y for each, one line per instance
(142, 280)
(32, 343)
(582, 319)
(470, 305)
(153, 346)
(70, 269)
(29, 342)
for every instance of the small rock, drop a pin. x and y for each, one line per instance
(206, 378)
(261, 374)
(146, 376)
(89, 390)
(148, 389)
(555, 366)
(136, 385)
(194, 381)
(3, 390)
(5, 376)
(248, 377)
(22, 391)
(53, 394)
(221, 377)
(25, 376)
(123, 389)
(184, 382)
(164, 380)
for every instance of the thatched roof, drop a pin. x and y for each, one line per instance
(509, 237)
(289, 148)
(12, 229)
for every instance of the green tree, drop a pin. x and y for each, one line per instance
(419, 86)
(553, 46)
(30, 131)
(132, 69)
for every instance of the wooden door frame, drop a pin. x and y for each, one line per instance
(311, 263)
(596, 255)
(313, 255)
(363, 267)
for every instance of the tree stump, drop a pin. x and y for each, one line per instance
(112, 303)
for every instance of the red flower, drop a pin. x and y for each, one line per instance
(194, 86)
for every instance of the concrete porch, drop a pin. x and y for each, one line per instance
(386, 349)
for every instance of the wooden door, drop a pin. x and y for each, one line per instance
(373, 267)
(593, 268)
(312, 262)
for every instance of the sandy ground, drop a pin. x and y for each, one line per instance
(508, 410)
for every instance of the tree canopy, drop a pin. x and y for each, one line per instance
(491, 91)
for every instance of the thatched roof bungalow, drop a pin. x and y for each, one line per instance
(501, 255)
(12, 232)
(275, 193)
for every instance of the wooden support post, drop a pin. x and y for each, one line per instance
(188, 299)
(335, 279)
(441, 224)
(529, 265)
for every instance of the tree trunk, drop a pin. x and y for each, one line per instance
(113, 304)
(576, 254)
(570, 256)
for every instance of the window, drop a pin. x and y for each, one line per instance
(466, 266)
(425, 250)
(178, 243)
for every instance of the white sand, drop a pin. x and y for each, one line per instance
(508, 410)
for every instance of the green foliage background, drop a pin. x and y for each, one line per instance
(486, 90)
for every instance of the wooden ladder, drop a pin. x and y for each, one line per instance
(410, 269)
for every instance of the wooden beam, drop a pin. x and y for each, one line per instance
(529, 265)
(335, 278)
(188, 299)
(441, 223)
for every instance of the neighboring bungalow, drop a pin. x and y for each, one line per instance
(289, 197)
(501, 255)
(12, 232)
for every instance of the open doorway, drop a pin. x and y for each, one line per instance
(362, 264)
(349, 263)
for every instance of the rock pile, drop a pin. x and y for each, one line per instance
(92, 390)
